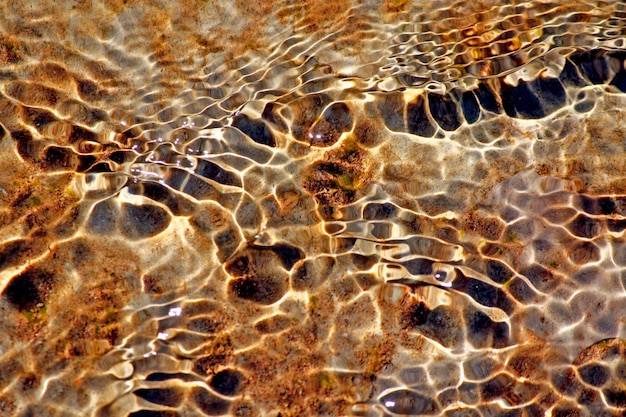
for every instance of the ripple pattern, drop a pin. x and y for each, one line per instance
(219, 208)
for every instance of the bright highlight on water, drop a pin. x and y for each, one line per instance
(312, 208)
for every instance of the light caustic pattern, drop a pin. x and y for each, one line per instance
(323, 209)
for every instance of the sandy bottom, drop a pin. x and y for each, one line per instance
(322, 209)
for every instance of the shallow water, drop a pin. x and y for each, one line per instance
(404, 208)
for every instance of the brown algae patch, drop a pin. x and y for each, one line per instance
(10, 50)
(341, 176)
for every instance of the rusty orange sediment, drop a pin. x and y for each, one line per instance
(285, 209)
